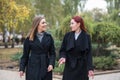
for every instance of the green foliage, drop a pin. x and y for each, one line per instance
(106, 32)
(51, 9)
(57, 46)
(115, 53)
(115, 17)
(88, 21)
(104, 63)
(64, 28)
(12, 13)
(58, 69)
(113, 5)
(16, 57)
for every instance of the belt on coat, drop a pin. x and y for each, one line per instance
(73, 60)
(43, 63)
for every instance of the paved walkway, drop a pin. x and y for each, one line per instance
(111, 76)
(108, 76)
(12, 75)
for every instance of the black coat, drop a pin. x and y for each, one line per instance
(37, 56)
(78, 56)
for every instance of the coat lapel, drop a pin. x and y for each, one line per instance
(37, 42)
(44, 39)
(70, 41)
(41, 44)
(82, 41)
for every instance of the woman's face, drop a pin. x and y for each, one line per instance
(42, 25)
(74, 25)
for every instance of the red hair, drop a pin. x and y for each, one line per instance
(79, 19)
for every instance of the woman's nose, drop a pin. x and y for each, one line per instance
(45, 24)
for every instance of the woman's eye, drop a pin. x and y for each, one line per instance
(43, 22)
(71, 23)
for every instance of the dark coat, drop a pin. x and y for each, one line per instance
(37, 56)
(78, 56)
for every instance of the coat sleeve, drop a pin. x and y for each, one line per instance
(89, 55)
(63, 48)
(25, 56)
(52, 53)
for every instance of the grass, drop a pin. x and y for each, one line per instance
(8, 57)
(6, 53)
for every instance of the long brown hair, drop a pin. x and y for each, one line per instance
(35, 24)
(79, 19)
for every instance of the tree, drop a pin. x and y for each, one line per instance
(113, 4)
(88, 21)
(64, 28)
(71, 7)
(82, 5)
(11, 13)
(51, 9)
(105, 33)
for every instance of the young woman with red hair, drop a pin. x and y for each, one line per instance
(75, 52)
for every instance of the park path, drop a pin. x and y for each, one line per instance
(13, 75)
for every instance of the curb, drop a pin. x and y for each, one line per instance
(107, 72)
(96, 73)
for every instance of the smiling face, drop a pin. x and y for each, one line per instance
(42, 25)
(74, 25)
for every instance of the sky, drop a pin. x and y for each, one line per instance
(96, 4)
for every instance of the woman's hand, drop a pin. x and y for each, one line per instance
(21, 73)
(61, 61)
(91, 74)
(50, 68)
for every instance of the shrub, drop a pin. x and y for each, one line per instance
(58, 69)
(104, 63)
(16, 57)
(57, 46)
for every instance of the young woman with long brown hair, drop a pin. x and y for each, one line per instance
(38, 57)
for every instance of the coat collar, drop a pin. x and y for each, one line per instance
(41, 44)
(82, 41)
